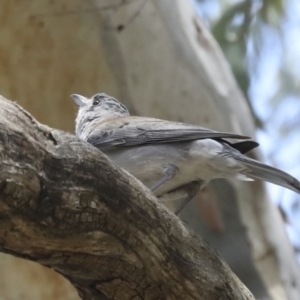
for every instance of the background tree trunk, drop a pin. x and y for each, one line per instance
(159, 59)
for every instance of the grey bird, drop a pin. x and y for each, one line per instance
(169, 157)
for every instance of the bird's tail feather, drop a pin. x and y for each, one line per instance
(267, 173)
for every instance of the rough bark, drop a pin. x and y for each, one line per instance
(64, 205)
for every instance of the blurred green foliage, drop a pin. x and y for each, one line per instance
(236, 24)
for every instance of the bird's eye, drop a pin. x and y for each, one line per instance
(96, 101)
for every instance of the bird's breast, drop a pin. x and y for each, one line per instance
(148, 163)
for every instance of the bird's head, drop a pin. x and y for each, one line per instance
(95, 109)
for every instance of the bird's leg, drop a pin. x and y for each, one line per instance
(192, 189)
(169, 173)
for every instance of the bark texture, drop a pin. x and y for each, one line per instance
(64, 205)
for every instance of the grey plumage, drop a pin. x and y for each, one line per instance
(149, 148)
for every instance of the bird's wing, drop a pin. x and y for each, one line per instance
(133, 131)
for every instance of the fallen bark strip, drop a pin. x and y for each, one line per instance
(64, 205)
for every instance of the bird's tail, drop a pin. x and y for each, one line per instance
(259, 170)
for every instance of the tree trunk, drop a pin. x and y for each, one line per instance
(159, 59)
(65, 205)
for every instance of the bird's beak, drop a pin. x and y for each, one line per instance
(80, 100)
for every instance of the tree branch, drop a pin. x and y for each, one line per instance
(64, 205)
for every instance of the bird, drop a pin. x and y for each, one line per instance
(170, 158)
